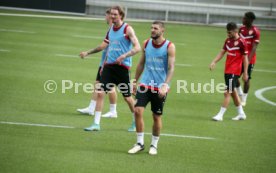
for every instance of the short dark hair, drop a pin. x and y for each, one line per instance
(107, 11)
(231, 26)
(160, 23)
(120, 10)
(250, 15)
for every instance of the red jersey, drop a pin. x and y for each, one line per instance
(236, 49)
(251, 35)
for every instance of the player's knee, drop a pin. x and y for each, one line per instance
(100, 95)
(138, 111)
(156, 118)
(226, 93)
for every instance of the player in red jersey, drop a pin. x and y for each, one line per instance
(251, 35)
(236, 56)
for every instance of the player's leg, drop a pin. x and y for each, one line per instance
(91, 107)
(247, 85)
(241, 115)
(142, 100)
(239, 87)
(122, 79)
(227, 97)
(112, 104)
(104, 86)
(157, 105)
(156, 128)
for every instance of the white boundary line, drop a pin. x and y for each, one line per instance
(69, 56)
(261, 70)
(259, 95)
(39, 125)
(18, 31)
(184, 65)
(42, 11)
(48, 16)
(183, 136)
(75, 56)
(180, 44)
(4, 50)
(89, 37)
(71, 127)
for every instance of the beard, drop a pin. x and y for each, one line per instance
(155, 37)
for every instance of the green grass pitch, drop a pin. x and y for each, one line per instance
(32, 51)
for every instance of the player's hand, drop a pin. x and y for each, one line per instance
(212, 66)
(245, 77)
(83, 54)
(120, 59)
(163, 90)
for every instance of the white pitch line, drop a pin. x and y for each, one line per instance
(259, 95)
(184, 65)
(39, 125)
(18, 31)
(86, 36)
(69, 56)
(183, 136)
(181, 44)
(261, 70)
(48, 16)
(75, 56)
(4, 50)
(71, 127)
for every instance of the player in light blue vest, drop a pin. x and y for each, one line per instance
(112, 95)
(122, 45)
(119, 44)
(157, 65)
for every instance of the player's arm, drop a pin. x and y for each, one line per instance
(245, 67)
(139, 68)
(253, 51)
(171, 61)
(141, 64)
(136, 45)
(99, 48)
(217, 59)
(255, 44)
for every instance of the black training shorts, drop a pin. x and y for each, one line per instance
(145, 95)
(116, 75)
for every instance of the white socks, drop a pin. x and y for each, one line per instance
(140, 138)
(222, 111)
(245, 97)
(240, 110)
(97, 118)
(112, 108)
(92, 105)
(239, 90)
(154, 140)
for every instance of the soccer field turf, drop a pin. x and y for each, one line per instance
(34, 50)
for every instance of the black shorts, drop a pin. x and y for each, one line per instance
(98, 78)
(144, 97)
(231, 81)
(116, 75)
(249, 70)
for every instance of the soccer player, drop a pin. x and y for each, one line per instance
(122, 45)
(157, 65)
(112, 95)
(236, 56)
(251, 35)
